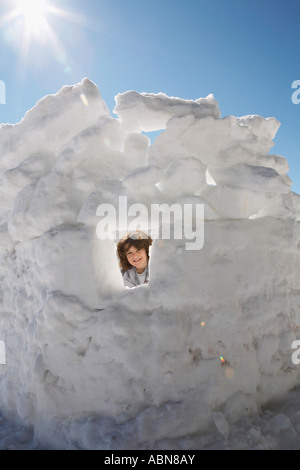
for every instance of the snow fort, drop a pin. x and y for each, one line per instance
(91, 364)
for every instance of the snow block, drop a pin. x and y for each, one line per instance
(91, 364)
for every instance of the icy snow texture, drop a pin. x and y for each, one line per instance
(91, 364)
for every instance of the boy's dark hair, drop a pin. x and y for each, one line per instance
(142, 241)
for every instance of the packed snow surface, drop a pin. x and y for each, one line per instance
(198, 354)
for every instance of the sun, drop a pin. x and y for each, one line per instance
(29, 27)
(34, 14)
(32, 9)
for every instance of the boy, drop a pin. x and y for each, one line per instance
(133, 253)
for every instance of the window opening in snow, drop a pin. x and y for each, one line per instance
(134, 257)
(153, 134)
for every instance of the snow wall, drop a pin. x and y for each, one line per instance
(91, 364)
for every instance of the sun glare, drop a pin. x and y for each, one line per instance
(30, 26)
(33, 12)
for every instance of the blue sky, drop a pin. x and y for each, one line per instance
(244, 52)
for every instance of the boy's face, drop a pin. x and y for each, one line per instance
(137, 258)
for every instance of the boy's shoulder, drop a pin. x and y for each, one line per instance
(127, 271)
